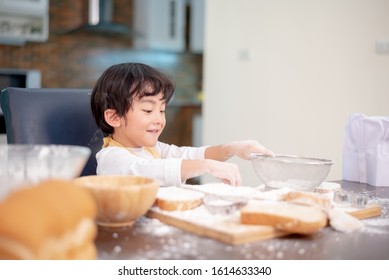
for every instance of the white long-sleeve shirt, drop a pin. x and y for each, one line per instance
(139, 162)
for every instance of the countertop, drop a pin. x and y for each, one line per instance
(151, 239)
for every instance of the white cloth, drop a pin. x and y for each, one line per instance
(167, 169)
(366, 150)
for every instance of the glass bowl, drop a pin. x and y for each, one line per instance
(295, 172)
(26, 164)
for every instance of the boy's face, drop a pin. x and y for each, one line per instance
(143, 123)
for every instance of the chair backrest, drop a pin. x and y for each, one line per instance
(51, 116)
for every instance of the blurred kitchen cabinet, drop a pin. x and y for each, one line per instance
(160, 24)
(167, 24)
(32, 5)
(24, 20)
(196, 26)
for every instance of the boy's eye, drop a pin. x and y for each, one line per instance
(147, 111)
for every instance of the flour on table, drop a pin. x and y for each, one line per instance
(221, 189)
(177, 193)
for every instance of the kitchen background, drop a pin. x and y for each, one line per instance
(287, 73)
(74, 56)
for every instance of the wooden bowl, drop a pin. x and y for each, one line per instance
(121, 199)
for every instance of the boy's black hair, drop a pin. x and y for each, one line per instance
(120, 84)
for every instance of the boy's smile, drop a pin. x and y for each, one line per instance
(154, 131)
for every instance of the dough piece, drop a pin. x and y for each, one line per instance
(342, 221)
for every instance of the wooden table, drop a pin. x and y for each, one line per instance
(151, 239)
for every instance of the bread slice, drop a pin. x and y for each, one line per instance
(308, 198)
(178, 199)
(289, 217)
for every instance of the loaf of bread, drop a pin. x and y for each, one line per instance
(289, 217)
(178, 199)
(54, 219)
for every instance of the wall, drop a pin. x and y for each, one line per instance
(289, 73)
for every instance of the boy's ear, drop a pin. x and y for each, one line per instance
(112, 118)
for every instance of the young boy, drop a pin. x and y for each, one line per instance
(128, 103)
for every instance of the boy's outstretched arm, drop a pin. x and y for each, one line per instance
(242, 149)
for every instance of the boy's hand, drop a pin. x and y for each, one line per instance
(227, 172)
(244, 149)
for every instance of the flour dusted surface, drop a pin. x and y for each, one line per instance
(176, 193)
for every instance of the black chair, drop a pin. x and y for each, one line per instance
(51, 116)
